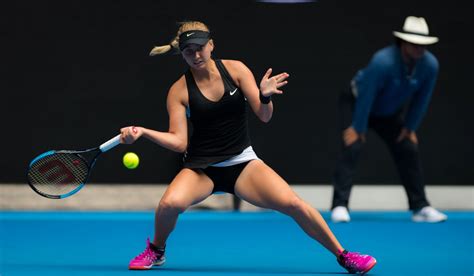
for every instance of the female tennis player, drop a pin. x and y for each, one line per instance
(219, 156)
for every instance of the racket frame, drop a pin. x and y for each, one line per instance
(102, 148)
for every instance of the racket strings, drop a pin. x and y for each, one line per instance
(58, 173)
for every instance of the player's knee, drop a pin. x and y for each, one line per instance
(172, 205)
(293, 205)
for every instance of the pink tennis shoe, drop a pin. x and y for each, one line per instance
(352, 261)
(355, 262)
(148, 258)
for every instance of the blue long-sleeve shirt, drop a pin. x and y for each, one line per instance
(385, 85)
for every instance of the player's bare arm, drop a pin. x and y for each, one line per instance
(176, 138)
(268, 86)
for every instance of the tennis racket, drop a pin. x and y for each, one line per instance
(61, 173)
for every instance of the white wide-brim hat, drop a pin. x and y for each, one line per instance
(415, 30)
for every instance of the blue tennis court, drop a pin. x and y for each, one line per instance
(229, 243)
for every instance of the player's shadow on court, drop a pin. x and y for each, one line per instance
(64, 268)
(246, 270)
(98, 269)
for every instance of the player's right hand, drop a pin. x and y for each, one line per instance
(130, 134)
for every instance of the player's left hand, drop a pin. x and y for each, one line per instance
(407, 134)
(270, 85)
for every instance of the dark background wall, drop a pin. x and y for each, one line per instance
(74, 72)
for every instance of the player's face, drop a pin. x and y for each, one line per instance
(197, 55)
(414, 51)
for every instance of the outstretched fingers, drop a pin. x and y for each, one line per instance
(281, 77)
(281, 81)
(267, 74)
(270, 85)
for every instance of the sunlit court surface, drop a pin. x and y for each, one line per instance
(229, 243)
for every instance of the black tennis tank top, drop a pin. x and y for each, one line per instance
(219, 129)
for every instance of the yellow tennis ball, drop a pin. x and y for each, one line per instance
(131, 160)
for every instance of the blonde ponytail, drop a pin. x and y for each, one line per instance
(159, 50)
(174, 45)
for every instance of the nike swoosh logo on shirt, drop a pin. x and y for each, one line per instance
(233, 92)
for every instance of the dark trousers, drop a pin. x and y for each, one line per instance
(404, 153)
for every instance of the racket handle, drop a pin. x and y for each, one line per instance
(110, 144)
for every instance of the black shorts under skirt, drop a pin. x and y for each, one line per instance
(224, 178)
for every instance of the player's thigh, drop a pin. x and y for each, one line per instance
(260, 185)
(187, 188)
